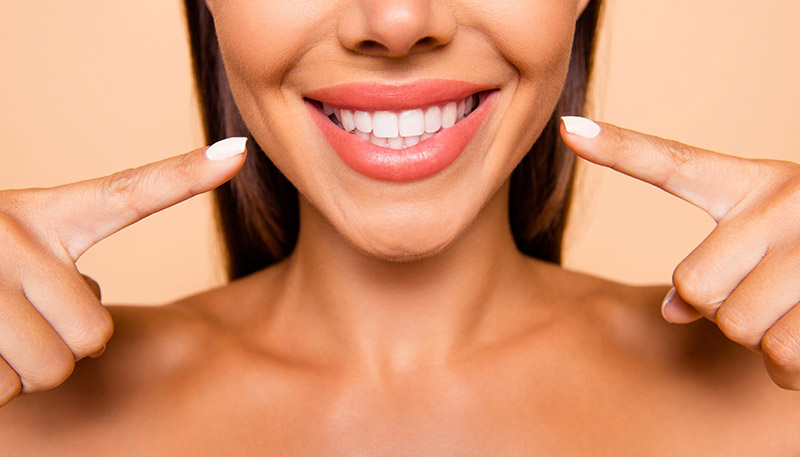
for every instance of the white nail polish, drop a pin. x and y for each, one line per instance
(227, 148)
(581, 126)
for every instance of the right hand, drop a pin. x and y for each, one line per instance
(50, 315)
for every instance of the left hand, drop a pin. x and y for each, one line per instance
(745, 276)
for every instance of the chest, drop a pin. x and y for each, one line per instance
(496, 418)
(522, 407)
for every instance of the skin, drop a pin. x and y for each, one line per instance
(406, 322)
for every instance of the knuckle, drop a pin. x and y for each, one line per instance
(680, 153)
(677, 154)
(782, 349)
(621, 141)
(182, 168)
(121, 188)
(693, 286)
(735, 326)
(93, 335)
(120, 183)
(55, 372)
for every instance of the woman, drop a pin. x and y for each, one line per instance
(394, 304)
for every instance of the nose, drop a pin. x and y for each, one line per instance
(396, 28)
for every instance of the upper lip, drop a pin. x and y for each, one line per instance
(371, 96)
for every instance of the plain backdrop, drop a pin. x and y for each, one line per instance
(90, 87)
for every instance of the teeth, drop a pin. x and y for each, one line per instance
(395, 143)
(398, 130)
(363, 121)
(449, 114)
(433, 119)
(377, 141)
(412, 140)
(412, 122)
(384, 124)
(468, 105)
(348, 122)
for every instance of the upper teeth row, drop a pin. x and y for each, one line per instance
(410, 123)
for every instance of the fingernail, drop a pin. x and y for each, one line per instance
(665, 302)
(227, 148)
(581, 126)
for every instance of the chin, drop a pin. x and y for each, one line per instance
(404, 239)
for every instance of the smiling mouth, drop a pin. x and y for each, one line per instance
(401, 129)
(400, 132)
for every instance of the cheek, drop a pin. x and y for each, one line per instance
(261, 39)
(261, 43)
(535, 37)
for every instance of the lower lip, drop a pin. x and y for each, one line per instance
(424, 159)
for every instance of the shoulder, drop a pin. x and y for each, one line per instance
(626, 321)
(627, 332)
(152, 351)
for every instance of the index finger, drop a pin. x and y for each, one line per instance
(84, 213)
(711, 181)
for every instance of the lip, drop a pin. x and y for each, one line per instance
(395, 97)
(422, 160)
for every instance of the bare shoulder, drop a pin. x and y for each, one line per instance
(625, 323)
(628, 318)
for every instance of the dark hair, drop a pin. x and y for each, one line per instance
(257, 210)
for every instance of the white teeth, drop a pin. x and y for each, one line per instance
(398, 130)
(449, 115)
(384, 124)
(412, 122)
(363, 121)
(412, 140)
(347, 120)
(377, 141)
(433, 119)
(395, 143)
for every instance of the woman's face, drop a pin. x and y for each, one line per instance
(387, 170)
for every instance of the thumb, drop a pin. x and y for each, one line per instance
(89, 211)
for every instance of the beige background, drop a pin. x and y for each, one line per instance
(90, 87)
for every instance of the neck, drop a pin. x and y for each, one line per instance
(396, 316)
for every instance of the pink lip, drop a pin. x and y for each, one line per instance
(416, 162)
(387, 97)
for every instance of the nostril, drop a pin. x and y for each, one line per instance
(372, 47)
(376, 48)
(425, 43)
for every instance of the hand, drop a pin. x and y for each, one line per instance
(745, 276)
(50, 315)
